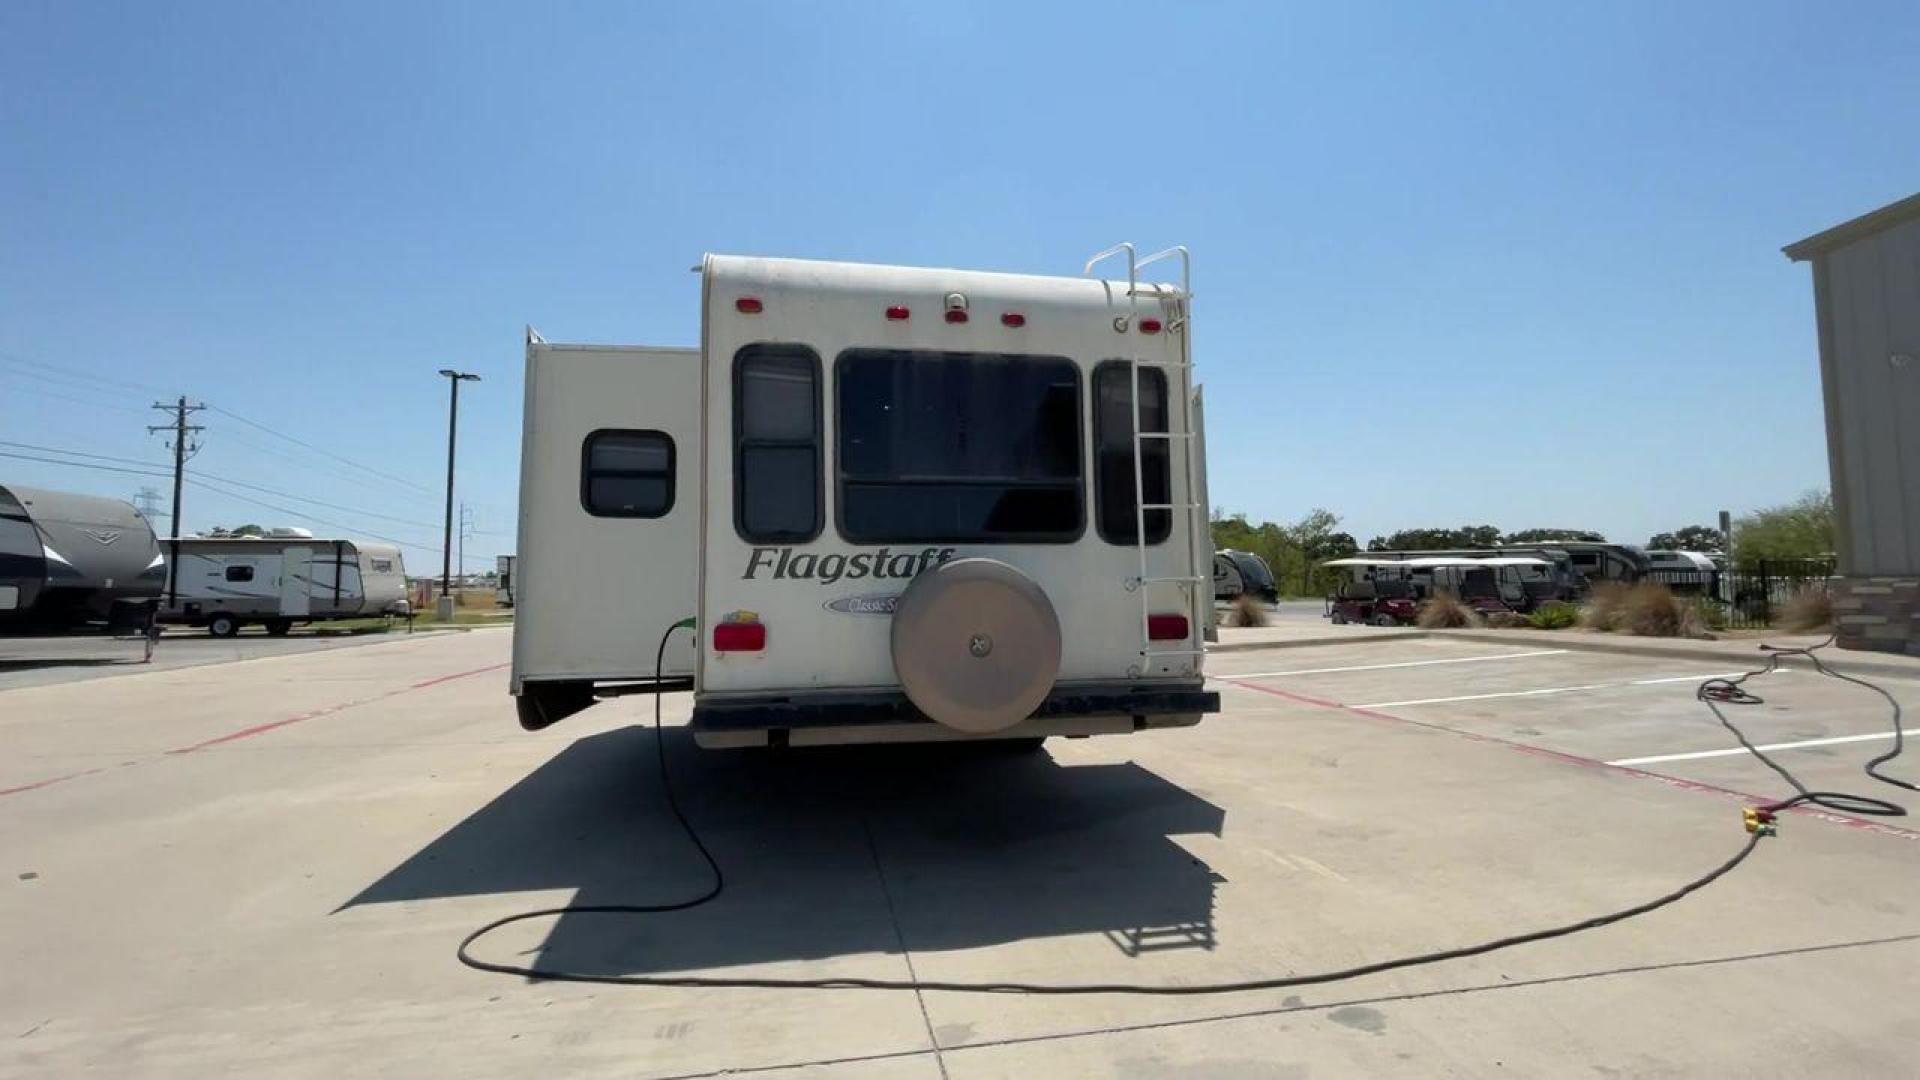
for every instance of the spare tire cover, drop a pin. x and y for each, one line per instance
(976, 644)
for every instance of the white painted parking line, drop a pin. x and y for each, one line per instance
(1382, 667)
(1543, 691)
(1739, 750)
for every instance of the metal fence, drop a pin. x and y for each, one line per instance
(1752, 596)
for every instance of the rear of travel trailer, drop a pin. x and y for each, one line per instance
(893, 504)
(1240, 572)
(67, 560)
(226, 583)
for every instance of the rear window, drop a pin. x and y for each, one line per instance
(626, 474)
(959, 447)
(1113, 452)
(776, 444)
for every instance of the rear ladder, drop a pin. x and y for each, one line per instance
(1181, 520)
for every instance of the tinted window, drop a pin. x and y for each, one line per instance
(239, 573)
(938, 446)
(776, 443)
(1113, 451)
(626, 474)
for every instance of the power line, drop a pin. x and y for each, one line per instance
(74, 375)
(69, 397)
(86, 465)
(322, 450)
(201, 481)
(80, 453)
(203, 474)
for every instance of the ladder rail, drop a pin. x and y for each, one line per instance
(1180, 392)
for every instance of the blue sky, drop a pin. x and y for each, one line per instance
(1454, 263)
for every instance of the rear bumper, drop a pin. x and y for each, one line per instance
(1067, 709)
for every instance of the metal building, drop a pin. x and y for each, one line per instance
(1866, 288)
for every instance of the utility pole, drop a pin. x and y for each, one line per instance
(466, 526)
(147, 502)
(181, 431)
(454, 379)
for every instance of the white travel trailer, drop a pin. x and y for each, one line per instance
(224, 583)
(894, 504)
(1240, 572)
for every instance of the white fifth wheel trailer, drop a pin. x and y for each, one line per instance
(892, 504)
(224, 583)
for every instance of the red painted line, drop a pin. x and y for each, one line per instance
(1584, 762)
(262, 729)
(48, 782)
(459, 675)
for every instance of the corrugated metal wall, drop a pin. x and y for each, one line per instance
(1869, 295)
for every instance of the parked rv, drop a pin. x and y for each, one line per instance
(1578, 565)
(68, 560)
(1495, 583)
(503, 584)
(225, 583)
(1242, 572)
(1685, 571)
(893, 504)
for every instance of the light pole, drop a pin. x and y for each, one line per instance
(454, 378)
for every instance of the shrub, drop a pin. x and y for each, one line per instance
(1606, 606)
(1554, 615)
(1444, 611)
(1810, 608)
(1505, 620)
(1248, 611)
(1711, 612)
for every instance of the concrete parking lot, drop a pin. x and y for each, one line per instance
(263, 868)
(42, 660)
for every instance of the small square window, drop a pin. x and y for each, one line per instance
(627, 474)
(239, 573)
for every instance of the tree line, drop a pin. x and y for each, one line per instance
(1801, 529)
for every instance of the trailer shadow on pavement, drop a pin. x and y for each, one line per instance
(828, 853)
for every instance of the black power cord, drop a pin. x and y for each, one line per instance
(1717, 692)
(1759, 825)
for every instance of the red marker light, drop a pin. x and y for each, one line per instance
(1149, 326)
(898, 313)
(747, 305)
(1166, 627)
(742, 636)
(956, 315)
(1013, 319)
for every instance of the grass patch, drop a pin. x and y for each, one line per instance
(1810, 608)
(1554, 615)
(1606, 606)
(1648, 609)
(1444, 611)
(1248, 611)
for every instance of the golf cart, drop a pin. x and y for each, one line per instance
(1372, 591)
(1501, 583)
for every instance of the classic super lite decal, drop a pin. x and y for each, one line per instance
(874, 604)
(781, 564)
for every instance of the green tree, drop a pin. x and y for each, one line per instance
(1292, 551)
(1691, 538)
(1801, 529)
(1466, 536)
(1540, 536)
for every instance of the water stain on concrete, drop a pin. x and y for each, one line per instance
(1360, 1018)
(953, 1034)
